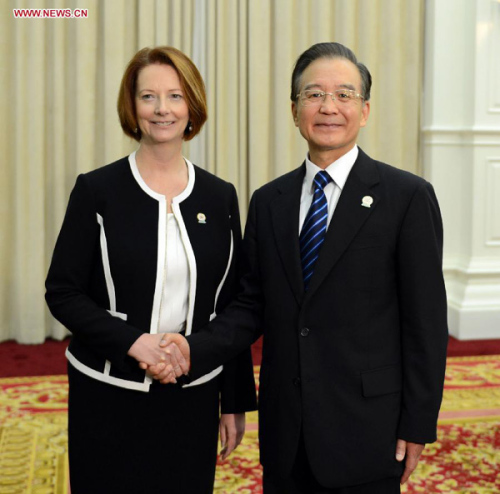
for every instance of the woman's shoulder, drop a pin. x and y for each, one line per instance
(112, 180)
(110, 171)
(108, 177)
(207, 179)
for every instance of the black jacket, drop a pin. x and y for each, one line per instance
(358, 360)
(105, 280)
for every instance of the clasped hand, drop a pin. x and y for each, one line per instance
(164, 356)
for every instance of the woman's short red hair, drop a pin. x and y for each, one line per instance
(191, 82)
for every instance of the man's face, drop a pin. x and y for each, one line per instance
(332, 127)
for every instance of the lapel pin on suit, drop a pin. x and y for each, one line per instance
(201, 218)
(367, 202)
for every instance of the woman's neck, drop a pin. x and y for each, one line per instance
(163, 169)
(160, 159)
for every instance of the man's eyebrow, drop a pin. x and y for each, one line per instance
(312, 86)
(318, 86)
(348, 86)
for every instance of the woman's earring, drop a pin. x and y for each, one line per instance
(135, 130)
(190, 128)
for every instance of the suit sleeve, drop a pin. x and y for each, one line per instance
(237, 379)
(239, 325)
(76, 258)
(423, 316)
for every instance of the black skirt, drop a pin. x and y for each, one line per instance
(130, 442)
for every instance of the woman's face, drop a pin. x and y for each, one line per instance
(161, 106)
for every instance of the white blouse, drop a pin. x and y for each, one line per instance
(174, 301)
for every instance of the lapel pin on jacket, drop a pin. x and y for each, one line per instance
(367, 202)
(201, 218)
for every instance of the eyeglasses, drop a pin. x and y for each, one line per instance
(311, 97)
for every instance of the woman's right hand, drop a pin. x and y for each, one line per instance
(152, 354)
(146, 350)
(179, 356)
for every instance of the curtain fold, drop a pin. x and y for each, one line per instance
(61, 80)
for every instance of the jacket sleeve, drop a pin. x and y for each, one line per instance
(239, 325)
(75, 261)
(237, 380)
(423, 316)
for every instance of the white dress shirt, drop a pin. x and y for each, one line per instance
(174, 302)
(339, 171)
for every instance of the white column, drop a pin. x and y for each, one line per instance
(461, 155)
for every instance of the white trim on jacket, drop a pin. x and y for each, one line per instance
(160, 273)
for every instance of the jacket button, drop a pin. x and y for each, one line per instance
(304, 331)
(296, 381)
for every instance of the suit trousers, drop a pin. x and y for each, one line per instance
(302, 481)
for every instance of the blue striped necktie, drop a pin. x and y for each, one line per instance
(314, 228)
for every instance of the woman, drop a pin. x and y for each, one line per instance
(149, 245)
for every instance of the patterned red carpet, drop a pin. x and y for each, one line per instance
(465, 459)
(47, 359)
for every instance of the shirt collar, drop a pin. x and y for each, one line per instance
(339, 170)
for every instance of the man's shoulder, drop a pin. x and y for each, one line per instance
(393, 173)
(284, 182)
(390, 174)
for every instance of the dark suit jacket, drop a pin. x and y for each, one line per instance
(358, 360)
(103, 279)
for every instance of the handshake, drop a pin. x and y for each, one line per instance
(164, 356)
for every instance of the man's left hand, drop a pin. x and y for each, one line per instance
(410, 451)
(232, 429)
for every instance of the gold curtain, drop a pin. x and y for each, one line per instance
(60, 80)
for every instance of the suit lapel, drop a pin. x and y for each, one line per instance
(285, 211)
(347, 219)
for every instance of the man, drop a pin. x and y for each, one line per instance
(344, 280)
